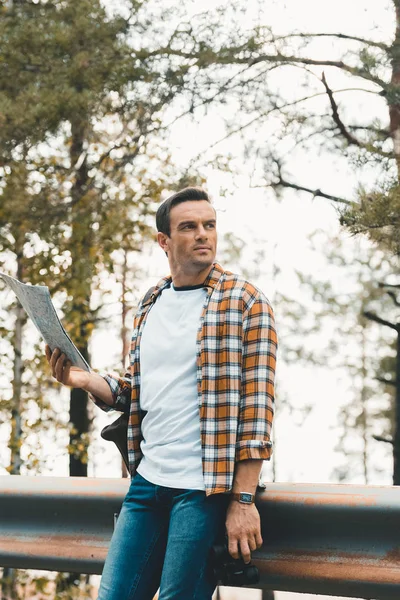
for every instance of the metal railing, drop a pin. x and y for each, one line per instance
(322, 539)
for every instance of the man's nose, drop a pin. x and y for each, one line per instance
(201, 232)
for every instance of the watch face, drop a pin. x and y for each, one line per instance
(247, 498)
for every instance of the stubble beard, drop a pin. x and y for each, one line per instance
(200, 263)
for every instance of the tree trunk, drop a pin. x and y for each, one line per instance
(9, 589)
(79, 314)
(80, 424)
(124, 312)
(394, 113)
(80, 288)
(396, 434)
(16, 403)
(394, 105)
(124, 333)
(364, 412)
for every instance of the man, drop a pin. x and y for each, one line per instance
(200, 393)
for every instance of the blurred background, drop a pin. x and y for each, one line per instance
(288, 113)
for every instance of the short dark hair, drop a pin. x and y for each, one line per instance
(163, 221)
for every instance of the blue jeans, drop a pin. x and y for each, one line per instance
(162, 540)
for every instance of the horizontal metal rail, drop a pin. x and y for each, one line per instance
(328, 539)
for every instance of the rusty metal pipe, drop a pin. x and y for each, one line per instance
(328, 539)
(331, 539)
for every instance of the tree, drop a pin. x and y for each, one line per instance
(395, 379)
(282, 103)
(348, 290)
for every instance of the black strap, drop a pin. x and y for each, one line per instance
(148, 294)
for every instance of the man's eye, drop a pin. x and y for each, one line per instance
(210, 225)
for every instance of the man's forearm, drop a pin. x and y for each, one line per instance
(246, 475)
(98, 386)
(243, 525)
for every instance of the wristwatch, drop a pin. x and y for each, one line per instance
(243, 497)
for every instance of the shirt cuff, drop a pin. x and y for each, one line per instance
(119, 401)
(253, 449)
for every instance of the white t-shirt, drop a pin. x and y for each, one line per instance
(171, 445)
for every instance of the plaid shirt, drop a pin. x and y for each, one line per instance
(236, 353)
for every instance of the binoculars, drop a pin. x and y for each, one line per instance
(231, 571)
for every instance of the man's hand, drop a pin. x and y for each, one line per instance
(243, 527)
(64, 372)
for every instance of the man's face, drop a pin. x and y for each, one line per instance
(192, 244)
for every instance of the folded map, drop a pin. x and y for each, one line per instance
(36, 301)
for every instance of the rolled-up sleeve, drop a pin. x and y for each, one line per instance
(121, 389)
(257, 389)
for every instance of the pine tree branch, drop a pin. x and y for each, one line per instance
(316, 193)
(373, 317)
(360, 229)
(351, 139)
(341, 36)
(383, 133)
(222, 90)
(382, 284)
(263, 115)
(339, 64)
(386, 381)
(231, 57)
(394, 298)
(380, 438)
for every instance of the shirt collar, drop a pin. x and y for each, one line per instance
(211, 281)
(214, 276)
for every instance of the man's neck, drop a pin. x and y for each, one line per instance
(183, 279)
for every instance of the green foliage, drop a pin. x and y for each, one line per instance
(369, 59)
(376, 214)
(56, 61)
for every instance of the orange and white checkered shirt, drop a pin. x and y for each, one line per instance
(236, 357)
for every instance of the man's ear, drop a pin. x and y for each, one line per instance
(162, 240)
